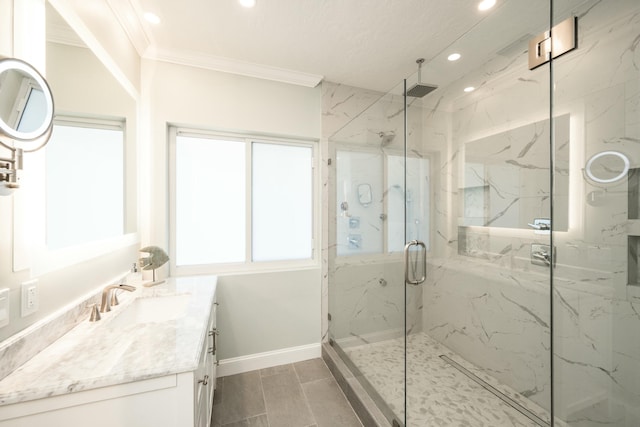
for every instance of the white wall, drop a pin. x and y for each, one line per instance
(6, 28)
(258, 312)
(267, 311)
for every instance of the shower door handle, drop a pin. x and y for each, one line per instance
(415, 281)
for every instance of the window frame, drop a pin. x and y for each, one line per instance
(248, 265)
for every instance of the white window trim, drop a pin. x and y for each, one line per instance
(249, 266)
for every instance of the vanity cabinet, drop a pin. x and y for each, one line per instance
(205, 377)
(171, 399)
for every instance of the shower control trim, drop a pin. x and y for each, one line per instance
(541, 255)
(541, 225)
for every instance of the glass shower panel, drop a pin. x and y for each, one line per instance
(414, 210)
(366, 276)
(596, 285)
(480, 354)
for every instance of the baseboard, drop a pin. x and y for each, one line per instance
(251, 362)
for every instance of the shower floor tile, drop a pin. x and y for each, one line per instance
(438, 394)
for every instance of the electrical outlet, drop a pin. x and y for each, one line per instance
(29, 297)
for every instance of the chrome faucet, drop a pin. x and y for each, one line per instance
(106, 302)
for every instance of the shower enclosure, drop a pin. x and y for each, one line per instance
(513, 189)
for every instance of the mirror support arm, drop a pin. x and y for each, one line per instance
(9, 170)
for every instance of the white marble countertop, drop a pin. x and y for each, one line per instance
(95, 354)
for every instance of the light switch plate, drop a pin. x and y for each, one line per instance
(4, 307)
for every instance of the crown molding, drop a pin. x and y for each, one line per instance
(63, 34)
(234, 66)
(128, 14)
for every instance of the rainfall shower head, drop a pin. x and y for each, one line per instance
(420, 89)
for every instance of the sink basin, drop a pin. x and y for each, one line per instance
(152, 310)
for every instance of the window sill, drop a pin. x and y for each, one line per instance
(242, 268)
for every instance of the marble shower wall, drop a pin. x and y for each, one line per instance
(485, 299)
(340, 105)
(597, 336)
(364, 285)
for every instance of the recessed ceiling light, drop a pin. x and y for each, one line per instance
(454, 57)
(469, 89)
(486, 4)
(152, 18)
(247, 3)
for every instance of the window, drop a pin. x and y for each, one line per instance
(383, 201)
(84, 182)
(240, 201)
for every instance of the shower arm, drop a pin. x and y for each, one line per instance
(420, 62)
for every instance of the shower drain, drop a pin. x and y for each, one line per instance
(506, 399)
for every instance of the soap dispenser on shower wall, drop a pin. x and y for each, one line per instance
(135, 276)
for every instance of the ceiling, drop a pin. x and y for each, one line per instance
(371, 44)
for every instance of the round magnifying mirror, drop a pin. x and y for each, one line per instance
(607, 167)
(26, 105)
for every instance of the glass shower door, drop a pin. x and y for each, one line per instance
(478, 353)
(596, 279)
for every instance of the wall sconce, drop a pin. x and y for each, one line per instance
(26, 117)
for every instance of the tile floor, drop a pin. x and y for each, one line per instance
(438, 394)
(302, 394)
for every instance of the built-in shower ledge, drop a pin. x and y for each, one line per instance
(536, 278)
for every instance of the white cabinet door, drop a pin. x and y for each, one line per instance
(205, 376)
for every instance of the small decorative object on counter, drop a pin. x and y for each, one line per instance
(156, 258)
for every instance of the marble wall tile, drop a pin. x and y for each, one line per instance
(591, 255)
(369, 302)
(365, 296)
(342, 104)
(498, 322)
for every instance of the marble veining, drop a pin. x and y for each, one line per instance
(21, 347)
(93, 355)
(437, 393)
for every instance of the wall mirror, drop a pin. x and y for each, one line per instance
(26, 104)
(83, 196)
(506, 179)
(95, 126)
